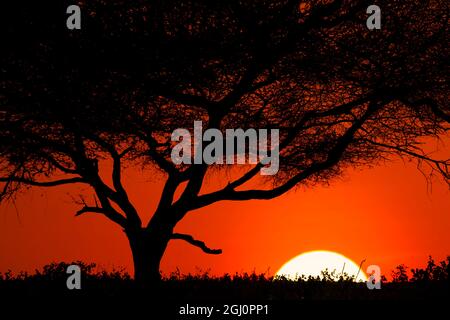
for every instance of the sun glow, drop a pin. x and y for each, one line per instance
(314, 262)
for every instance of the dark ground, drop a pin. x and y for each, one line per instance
(110, 291)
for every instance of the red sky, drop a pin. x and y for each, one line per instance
(386, 215)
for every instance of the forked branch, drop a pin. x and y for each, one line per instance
(197, 243)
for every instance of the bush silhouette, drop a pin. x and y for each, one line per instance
(432, 272)
(400, 274)
(430, 282)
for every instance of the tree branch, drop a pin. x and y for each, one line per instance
(87, 209)
(333, 158)
(119, 195)
(160, 160)
(188, 99)
(196, 243)
(112, 215)
(433, 105)
(43, 184)
(58, 165)
(443, 166)
(245, 177)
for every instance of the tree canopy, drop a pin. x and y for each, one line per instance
(341, 95)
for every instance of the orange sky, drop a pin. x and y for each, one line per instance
(385, 215)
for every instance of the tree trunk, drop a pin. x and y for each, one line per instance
(148, 249)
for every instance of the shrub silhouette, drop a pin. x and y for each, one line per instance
(429, 283)
(432, 272)
(400, 274)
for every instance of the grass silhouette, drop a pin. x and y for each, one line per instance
(431, 282)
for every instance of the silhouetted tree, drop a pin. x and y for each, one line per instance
(432, 272)
(400, 274)
(340, 94)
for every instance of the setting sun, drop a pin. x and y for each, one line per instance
(314, 262)
(224, 159)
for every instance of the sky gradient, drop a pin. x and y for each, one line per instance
(387, 215)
